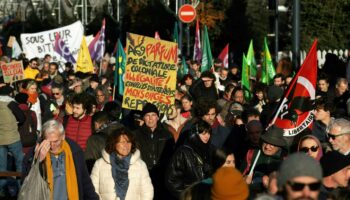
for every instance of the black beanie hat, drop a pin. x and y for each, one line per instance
(333, 162)
(6, 90)
(21, 98)
(149, 107)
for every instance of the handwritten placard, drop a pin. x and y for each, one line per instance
(12, 72)
(150, 74)
(41, 43)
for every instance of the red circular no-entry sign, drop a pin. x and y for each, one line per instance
(187, 13)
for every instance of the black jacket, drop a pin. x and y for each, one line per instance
(156, 149)
(85, 187)
(189, 164)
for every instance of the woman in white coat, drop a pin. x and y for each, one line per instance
(121, 174)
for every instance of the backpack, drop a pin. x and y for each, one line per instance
(28, 130)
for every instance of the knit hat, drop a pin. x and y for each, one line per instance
(228, 184)
(333, 162)
(274, 92)
(6, 90)
(149, 107)
(21, 98)
(298, 164)
(274, 136)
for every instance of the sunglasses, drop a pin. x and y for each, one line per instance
(300, 186)
(56, 94)
(307, 149)
(331, 136)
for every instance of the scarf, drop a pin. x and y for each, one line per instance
(120, 168)
(32, 98)
(71, 176)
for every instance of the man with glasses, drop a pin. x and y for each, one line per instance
(336, 172)
(31, 70)
(339, 136)
(299, 177)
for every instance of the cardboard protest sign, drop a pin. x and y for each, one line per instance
(39, 44)
(150, 74)
(12, 72)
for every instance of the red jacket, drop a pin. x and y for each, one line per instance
(79, 130)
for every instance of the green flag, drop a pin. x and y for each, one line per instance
(268, 70)
(245, 79)
(183, 68)
(251, 61)
(207, 57)
(120, 68)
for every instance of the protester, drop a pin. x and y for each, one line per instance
(78, 125)
(102, 97)
(323, 119)
(121, 173)
(53, 71)
(32, 90)
(63, 161)
(339, 97)
(28, 129)
(175, 121)
(206, 110)
(156, 147)
(187, 103)
(299, 177)
(58, 102)
(10, 115)
(336, 172)
(31, 71)
(339, 136)
(205, 87)
(310, 145)
(228, 184)
(261, 161)
(192, 161)
(278, 80)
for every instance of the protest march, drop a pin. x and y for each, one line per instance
(151, 120)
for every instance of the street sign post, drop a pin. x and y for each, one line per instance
(187, 13)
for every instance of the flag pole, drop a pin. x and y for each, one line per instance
(114, 92)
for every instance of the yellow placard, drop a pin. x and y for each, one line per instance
(150, 74)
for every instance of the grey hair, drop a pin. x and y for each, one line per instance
(52, 126)
(342, 123)
(342, 80)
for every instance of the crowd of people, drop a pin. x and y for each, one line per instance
(212, 144)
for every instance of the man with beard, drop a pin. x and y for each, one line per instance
(299, 178)
(78, 125)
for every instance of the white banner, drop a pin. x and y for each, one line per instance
(39, 44)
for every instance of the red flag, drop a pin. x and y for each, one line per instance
(156, 35)
(224, 56)
(295, 112)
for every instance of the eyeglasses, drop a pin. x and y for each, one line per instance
(331, 136)
(300, 186)
(307, 149)
(56, 94)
